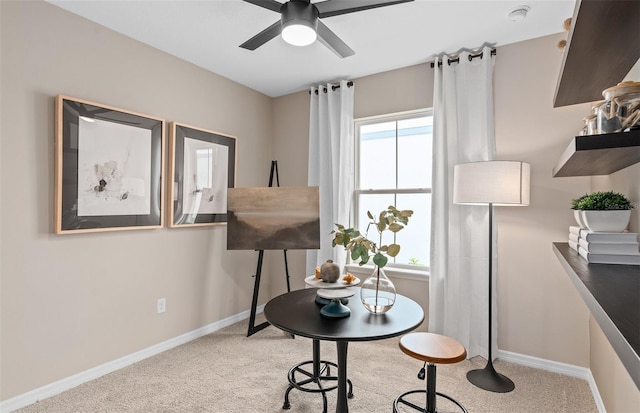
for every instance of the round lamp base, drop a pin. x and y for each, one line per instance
(491, 380)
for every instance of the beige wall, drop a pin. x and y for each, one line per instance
(617, 390)
(627, 182)
(72, 302)
(394, 91)
(291, 148)
(540, 313)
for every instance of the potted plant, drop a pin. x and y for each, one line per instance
(603, 211)
(577, 213)
(377, 292)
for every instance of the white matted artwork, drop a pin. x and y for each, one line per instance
(202, 166)
(109, 168)
(206, 174)
(114, 169)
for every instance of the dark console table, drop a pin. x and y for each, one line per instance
(612, 293)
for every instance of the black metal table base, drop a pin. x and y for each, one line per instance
(309, 380)
(311, 377)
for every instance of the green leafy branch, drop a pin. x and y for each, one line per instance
(362, 248)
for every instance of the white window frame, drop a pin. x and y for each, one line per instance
(405, 271)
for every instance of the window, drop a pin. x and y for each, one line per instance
(393, 164)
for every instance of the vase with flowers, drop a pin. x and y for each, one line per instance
(377, 292)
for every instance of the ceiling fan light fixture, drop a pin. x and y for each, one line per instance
(299, 23)
(299, 34)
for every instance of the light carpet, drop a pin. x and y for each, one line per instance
(227, 372)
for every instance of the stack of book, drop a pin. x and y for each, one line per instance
(605, 247)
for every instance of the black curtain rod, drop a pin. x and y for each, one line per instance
(457, 59)
(333, 87)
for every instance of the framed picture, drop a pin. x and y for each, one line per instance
(109, 167)
(274, 218)
(202, 166)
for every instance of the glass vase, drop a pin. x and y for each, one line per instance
(378, 292)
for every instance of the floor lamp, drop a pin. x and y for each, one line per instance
(499, 183)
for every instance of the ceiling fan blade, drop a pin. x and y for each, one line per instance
(333, 42)
(338, 7)
(264, 36)
(272, 5)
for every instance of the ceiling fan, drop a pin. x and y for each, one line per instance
(300, 23)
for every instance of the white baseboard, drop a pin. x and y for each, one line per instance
(556, 367)
(60, 386)
(596, 394)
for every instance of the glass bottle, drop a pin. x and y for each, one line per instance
(378, 292)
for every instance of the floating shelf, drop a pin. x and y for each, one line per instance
(602, 47)
(599, 154)
(611, 294)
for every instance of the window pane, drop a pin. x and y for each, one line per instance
(374, 203)
(415, 238)
(414, 152)
(395, 153)
(378, 156)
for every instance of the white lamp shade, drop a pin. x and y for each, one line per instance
(492, 182)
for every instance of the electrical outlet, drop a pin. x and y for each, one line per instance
(162, 305)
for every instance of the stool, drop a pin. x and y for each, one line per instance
(430, 348)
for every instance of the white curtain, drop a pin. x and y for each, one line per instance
(331, 164)
(463, 131)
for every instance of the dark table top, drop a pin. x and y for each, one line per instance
(612, 293)
(297, 313)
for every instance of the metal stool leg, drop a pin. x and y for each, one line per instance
(431, 388)
(430, 394)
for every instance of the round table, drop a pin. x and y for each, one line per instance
(298, 313)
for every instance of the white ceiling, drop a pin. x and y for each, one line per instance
(207, 33)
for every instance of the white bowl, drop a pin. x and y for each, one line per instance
(577, 214)
(606, 221)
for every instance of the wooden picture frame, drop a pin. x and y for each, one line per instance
(109, 168)
(202, 166)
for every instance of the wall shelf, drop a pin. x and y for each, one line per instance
(599, 154)
(602, 47)
(611, 294)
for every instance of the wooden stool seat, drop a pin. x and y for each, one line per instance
(432, 349)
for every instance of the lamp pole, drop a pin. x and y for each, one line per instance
(488, 378)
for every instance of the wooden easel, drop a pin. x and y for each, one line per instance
(256, 287)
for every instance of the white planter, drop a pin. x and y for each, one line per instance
(606, 221)
(577, 214)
